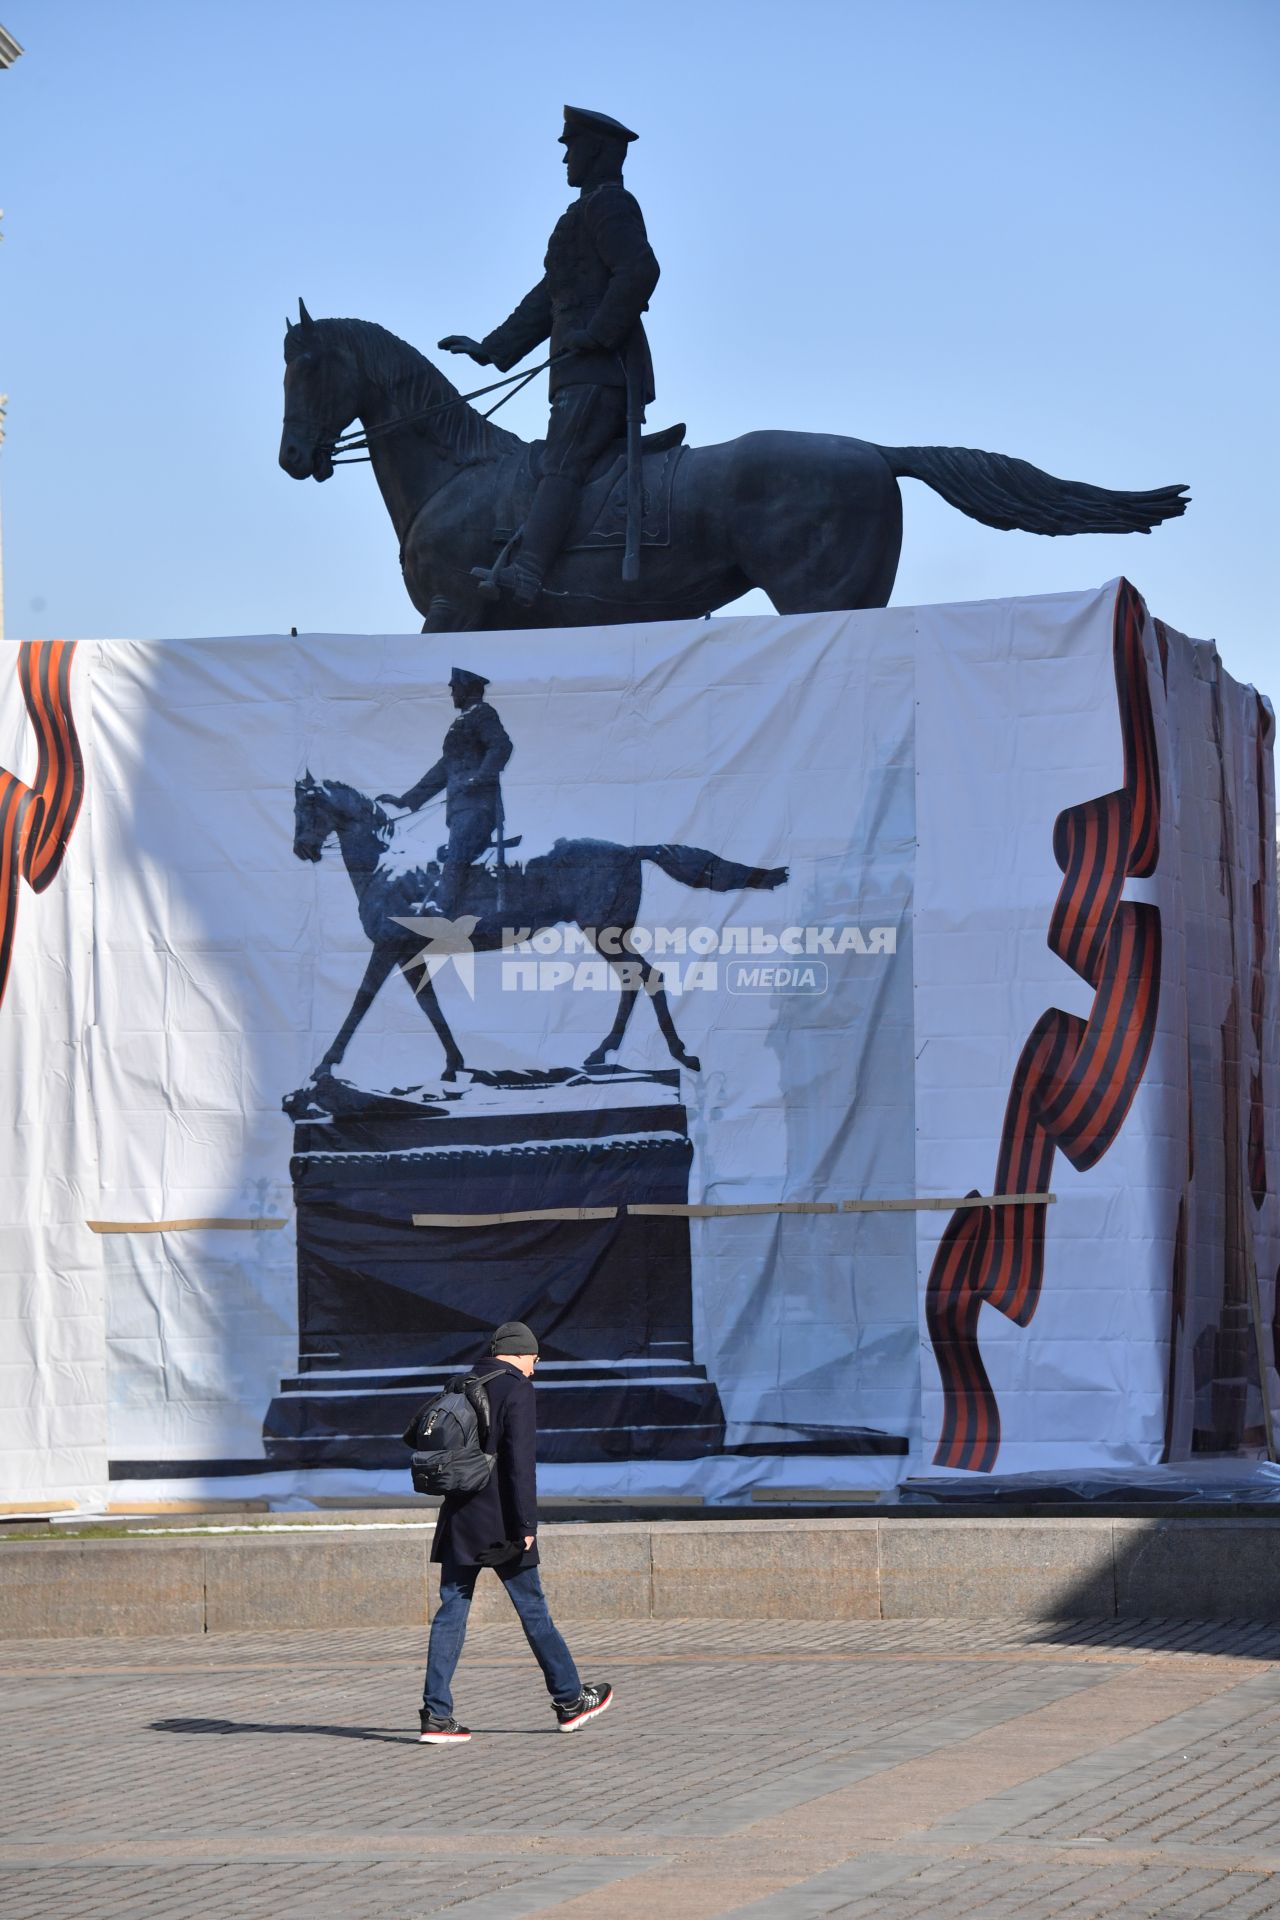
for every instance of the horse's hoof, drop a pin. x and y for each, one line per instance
(597, 1059)
(691, 1061)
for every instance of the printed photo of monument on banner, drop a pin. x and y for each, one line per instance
(618, 1022)
(536, 1080)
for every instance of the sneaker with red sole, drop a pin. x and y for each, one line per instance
(590, 1702)
(437, 1732)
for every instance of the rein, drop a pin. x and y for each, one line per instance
(351, 448)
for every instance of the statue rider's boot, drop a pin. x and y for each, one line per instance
(522, 581)
(520, 578)
(442, 900)
(545, 532)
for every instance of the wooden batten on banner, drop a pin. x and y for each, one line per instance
(184, 1226)
(696, 1211)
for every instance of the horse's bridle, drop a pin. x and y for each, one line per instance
(347, 449)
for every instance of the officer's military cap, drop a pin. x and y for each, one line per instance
(586, 120)
(463, 677)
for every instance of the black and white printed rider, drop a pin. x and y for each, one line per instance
(476, 749)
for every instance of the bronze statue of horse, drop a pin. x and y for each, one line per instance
(814, 519)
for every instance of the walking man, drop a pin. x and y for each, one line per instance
(598, 275)
(498, 1527)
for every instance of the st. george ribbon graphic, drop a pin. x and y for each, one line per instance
(36, 820)
(1075, 1079)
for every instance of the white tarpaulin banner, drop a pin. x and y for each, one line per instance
(678, 991)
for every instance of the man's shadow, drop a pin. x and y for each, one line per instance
(311, 1726)
(266, 1726)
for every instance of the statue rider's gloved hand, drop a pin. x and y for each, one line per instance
(463, 343)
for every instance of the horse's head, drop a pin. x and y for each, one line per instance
(313, 819)
(321, 394)
(325, 807)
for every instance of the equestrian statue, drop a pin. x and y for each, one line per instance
(600, 523)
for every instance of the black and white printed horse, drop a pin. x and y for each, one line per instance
(593, 884)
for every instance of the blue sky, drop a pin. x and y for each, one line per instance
(1043, 228)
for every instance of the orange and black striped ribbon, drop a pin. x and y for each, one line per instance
(1076, 1078)
(36, 820)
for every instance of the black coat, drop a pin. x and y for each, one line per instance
(507, 1508)
(599, 273)
(476, 749)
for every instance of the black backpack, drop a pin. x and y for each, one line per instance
(449, 1437)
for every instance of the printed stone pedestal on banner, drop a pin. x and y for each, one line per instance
(387, 1309)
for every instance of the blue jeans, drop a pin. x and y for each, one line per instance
(449, 1628)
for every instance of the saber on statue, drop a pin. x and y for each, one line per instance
(635, 475)
(500, 863)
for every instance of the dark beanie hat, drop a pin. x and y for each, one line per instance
(513, 1337)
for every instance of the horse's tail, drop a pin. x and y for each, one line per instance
(695, 867)
(1007, 493)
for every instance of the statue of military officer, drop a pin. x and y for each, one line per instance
(476, 749)
(599, 273)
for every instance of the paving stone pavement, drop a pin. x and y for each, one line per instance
(881, 1771)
